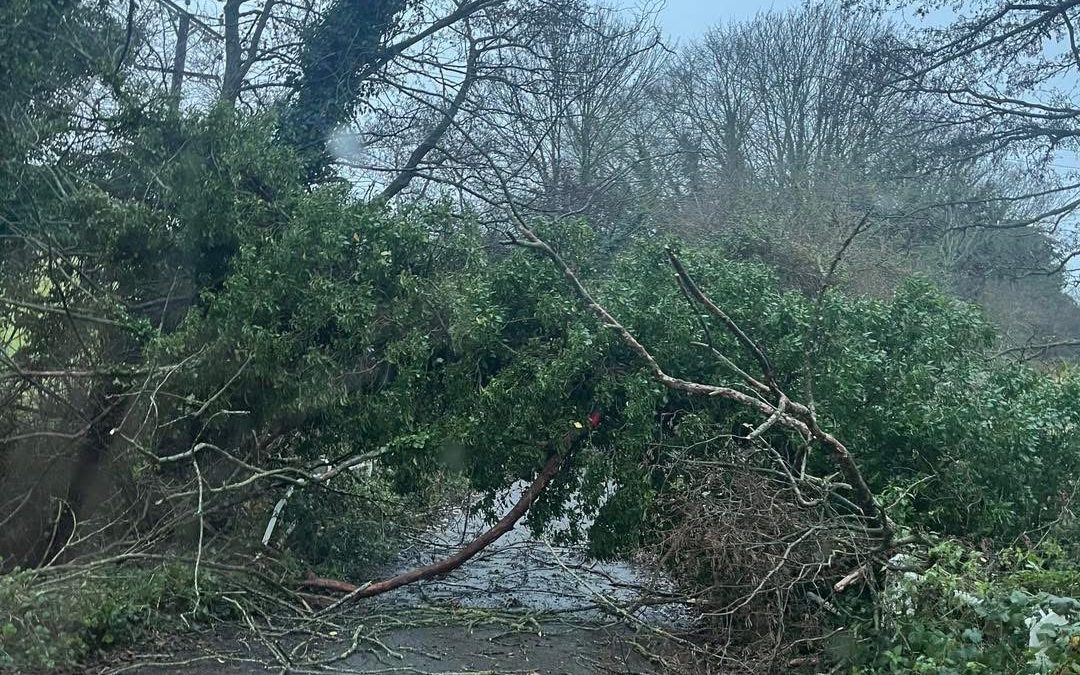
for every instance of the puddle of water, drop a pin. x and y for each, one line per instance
(521, 572)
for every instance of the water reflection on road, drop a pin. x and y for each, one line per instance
(520, 571)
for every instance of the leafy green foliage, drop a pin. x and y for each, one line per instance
(49, 626)
(351, 532)
(959, 618)
(370, 331)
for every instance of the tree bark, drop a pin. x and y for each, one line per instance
(233, 77)
(180, 59)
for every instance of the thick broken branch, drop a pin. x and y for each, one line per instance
(449, 564)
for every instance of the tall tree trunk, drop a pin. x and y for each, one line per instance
(234, 68)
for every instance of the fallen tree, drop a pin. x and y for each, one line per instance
(768, 398)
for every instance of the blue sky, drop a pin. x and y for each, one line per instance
(687, 19)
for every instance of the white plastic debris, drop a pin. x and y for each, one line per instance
(1036, 624)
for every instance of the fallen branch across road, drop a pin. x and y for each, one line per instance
(449, 564)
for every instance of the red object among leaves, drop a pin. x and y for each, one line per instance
(594, 419)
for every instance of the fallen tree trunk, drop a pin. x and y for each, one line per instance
(449, 564)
